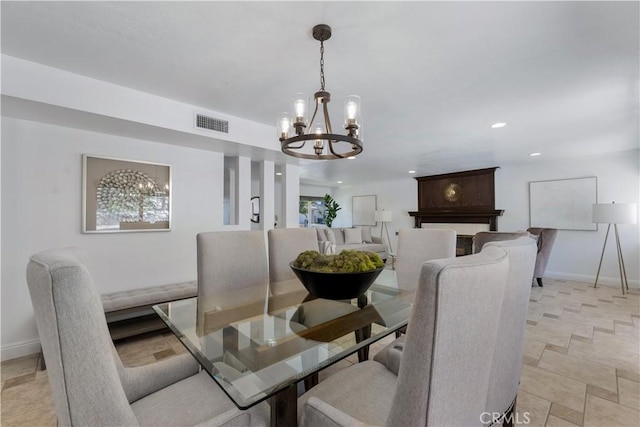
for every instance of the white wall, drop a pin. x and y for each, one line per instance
(41, 208)
(576, 253)
(315, 190)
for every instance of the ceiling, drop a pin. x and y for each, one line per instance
(433, 76)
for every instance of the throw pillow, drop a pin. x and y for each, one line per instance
(331, 237)
(352, 236)
(322, 237)
(366, 234)
(328, 248)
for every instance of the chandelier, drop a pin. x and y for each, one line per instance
(319, 136)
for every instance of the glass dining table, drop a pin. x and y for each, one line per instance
(258, 346)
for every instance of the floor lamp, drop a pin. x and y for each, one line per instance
(384, 217)
(612, 213)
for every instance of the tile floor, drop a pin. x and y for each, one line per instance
(581, 364)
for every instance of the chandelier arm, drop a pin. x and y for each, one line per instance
(299, 146)
(315, 112)
(333, 152)
(327, 120)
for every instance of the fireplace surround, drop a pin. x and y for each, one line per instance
(463, 201)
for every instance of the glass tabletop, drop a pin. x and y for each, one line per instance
(254, 345)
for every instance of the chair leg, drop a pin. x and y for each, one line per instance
(509, 416)
(539, 279)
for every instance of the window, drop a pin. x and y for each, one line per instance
(311, 211)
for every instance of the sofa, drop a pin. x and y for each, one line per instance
(352, 238)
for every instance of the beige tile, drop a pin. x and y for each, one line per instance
(629, 331)
(579, 369)
(18, 367)
(533, 348)
(627, 374)
(12, 382)
(629, 393)
(549, 336)
(136, 352)
(27, 402)
(602, 393)
(41, 417)
(175, 343)
(567, 414)
(556, 348)
(164, 354)
(617, 342)
(588, 319)
(605, 355)
(531, 408)
(553, 421)
(600, 412)
(553, 387)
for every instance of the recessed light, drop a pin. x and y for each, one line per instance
(351, 157)
(535, 154)
(412, 171)
(339, 182)
(279, 173)
(498, 125)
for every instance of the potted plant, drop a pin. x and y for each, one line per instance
(331, 208)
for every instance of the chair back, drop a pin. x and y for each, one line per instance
(81, 360)
(285, 244)
(417, 245)
(227, 262)
(479, 239)
(507, 358)
(546, 238)
(444, 372)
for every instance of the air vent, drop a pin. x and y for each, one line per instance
(211, 123)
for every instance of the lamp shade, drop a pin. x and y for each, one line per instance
(383, 216)
(615, 213)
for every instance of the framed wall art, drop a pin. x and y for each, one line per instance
(565, 204)
(364, 210)
(125, 195)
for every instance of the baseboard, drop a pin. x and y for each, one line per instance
(24, 348)
(605, 281)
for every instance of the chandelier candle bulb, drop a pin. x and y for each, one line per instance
(284, 126)
(352, 113)
(300, 105)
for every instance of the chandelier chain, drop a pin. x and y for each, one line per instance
(322, 65)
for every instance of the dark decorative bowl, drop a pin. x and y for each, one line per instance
(336, 285)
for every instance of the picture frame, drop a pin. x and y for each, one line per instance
(121, 195)
(565, 204)
(363, 210)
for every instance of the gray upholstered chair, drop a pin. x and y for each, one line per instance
(90, 385)
(546, 238)
(507, 358)
(229, 261)
(443, 375)
(417, 245)
(284, 246)
(479, 239)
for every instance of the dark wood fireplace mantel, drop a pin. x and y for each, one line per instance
(458, 217)
(460, 197)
